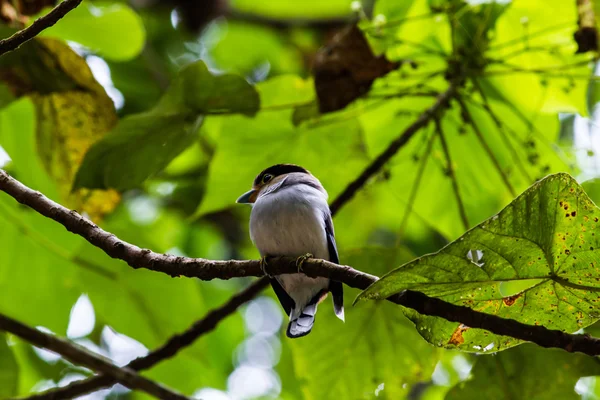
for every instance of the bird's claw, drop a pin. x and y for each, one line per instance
(300, 260)
(263, 266)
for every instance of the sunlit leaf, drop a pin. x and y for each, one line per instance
(143, 144)
(114, 30)
(544, 237)
(271, 138)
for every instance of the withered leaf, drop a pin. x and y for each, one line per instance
(345, 69)
(73, 111)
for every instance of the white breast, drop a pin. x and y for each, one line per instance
(290, 222)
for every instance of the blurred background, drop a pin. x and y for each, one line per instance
(527, 73)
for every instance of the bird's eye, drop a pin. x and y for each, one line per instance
(266, 178)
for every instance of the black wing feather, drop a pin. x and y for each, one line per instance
(335, 287)
(284, 298)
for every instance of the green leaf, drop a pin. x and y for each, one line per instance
(244, 47)
(202, 92)
(271, 138)
(515, 374)
(143, 144)
(535, 50)
(544, 240)
(138, 147)
(313, 9)
(34, 247)
(9, 370)
(113, 30)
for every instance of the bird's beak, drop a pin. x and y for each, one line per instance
(248, 197)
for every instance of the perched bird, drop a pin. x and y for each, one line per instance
(290, 217)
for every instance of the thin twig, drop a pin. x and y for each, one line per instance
(81, 356)
(442, 101)
(209, 269)
(525, 37)
(486, 147)
(415, 187)
(450, 168)
(169, 349)
(24, 35)
(501, 127)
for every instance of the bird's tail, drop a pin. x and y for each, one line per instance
(303, 319)
(301, 322)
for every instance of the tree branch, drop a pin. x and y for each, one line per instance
(208, 269)
(169, 349)
(82, 356)
(24, 35)
(442, 101)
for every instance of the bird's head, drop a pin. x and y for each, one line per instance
(272, 179)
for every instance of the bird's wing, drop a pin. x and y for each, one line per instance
(336, 288)
(285, 299)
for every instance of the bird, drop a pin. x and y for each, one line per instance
(290, 217)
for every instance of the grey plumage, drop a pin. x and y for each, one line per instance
(291, 217)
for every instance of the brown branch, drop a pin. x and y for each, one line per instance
(24, 35)
(450, 168)
(208, 269)
(469, 118)
(169, 349)
(81, 356)
(424, 119)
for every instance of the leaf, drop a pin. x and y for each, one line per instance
(515, 374)
(271, 138)
(537, 53)
(34, 247)
(9, 370)
(140, 145)
(72, 112)
(244, 48)
(310, 9)
(113, 30)
(143, 144)
(544, 241)
(345, 69)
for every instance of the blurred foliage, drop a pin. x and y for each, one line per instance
(153, 130)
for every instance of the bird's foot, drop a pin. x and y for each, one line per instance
(300, 260)
(263, 266)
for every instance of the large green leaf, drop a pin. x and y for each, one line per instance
(271, 138)
(516, 374)
(31, 261)
(143, 144)
(244, 47)
(9, 370)
(534, 51)
(535, 262)
(113, 30)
